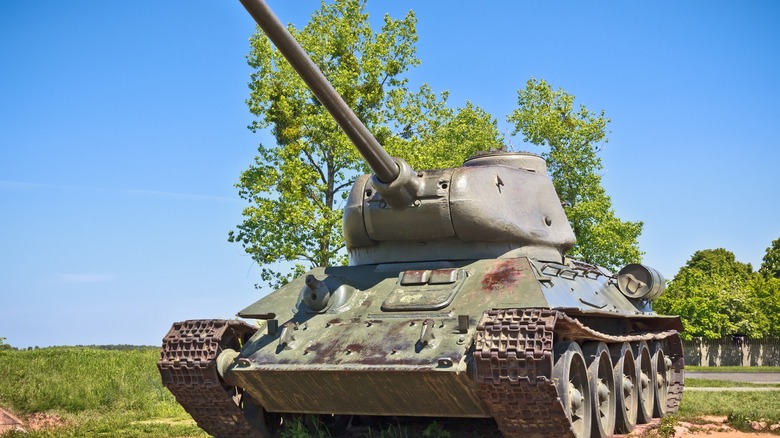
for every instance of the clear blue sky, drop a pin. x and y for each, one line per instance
(123, 130)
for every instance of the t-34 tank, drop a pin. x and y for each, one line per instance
(459, 301)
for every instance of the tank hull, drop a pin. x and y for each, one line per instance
(439, 339)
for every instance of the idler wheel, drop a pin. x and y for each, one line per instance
(602, 388)
(625, 378)
(572, 384)
(646, 382)
(661, 369)
(265, 423)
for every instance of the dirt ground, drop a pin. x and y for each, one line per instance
(709, 426)
(36, 421)
(9, 422)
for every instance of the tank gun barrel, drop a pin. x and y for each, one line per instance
(383, 165)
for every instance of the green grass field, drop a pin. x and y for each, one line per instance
(108, 393)
(732, 369)
(709, 383)
(96, 392)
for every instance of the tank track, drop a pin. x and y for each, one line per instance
(513, 360)
(188, 369)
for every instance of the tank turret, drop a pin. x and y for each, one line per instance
(496, 205)
(458, 302)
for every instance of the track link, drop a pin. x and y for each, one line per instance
(513, 359)
(188, 369)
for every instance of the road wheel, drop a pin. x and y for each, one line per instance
(571, 381)
(625, 377)
(602, 388)
(646, 380)
(661, 369)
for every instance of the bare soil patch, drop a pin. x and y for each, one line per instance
(9, 422)
(707, 425)
(41, 420)
(37, 421)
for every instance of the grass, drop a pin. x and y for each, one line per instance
(709, 383)
(741, 408)
(731, 369)
(95, 392)
(764, 404)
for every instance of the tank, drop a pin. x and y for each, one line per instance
(459, 301)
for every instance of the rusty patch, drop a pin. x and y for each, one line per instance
(503, 274)
(337, 350)
(355, 347)
(324, 352)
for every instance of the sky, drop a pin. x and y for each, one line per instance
(123, 132)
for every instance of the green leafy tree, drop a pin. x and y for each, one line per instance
(716, 296)
(3, 345)
(548, 117)
(767, 291)
(296, 188)
(771, 263)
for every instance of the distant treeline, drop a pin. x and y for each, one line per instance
(121, 347)
(718, 296)
(117, 347)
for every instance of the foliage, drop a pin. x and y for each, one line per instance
(766, 286)
(435, 430)
(715, 296)
(3, 345)
(771, 263)
(666, 426)
(767, 292)
(296, 187)
(391, 431)
(297, 428)
(547, 117)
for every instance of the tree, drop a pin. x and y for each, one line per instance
(767, 291)
(3, 345)
(716, 296)
(296, 187)
(720, 263)
(770, 267)
(766, 286)
(547, 117)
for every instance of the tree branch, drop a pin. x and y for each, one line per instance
(342, 186)
(315, 166)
